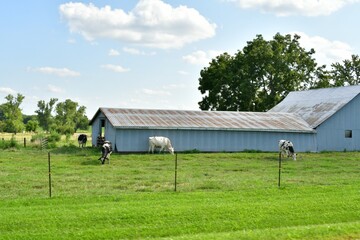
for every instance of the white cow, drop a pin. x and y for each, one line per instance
(286, 148)
(161, 142)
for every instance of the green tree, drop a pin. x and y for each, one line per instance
(347, 73)
(214, 82)
(2, 118)
(31, 126)
(44, 113)
(13, 118)
(81, 120)
(69, 117)
(259, 76)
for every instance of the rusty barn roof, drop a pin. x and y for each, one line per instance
(210, 120)
(316, 106)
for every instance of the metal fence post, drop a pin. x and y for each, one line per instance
(279, 181)
(49, 174)
(175, 170)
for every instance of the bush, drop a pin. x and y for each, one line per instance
(54, 137)
(5, 144)
(37, 137)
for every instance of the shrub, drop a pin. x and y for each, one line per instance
(5, 144)
(54, 137)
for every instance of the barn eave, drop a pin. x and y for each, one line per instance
(216, 129)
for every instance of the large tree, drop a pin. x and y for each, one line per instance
(44, 113)
(70, 117)
(259, 76)
(347, 73)
(11, 114)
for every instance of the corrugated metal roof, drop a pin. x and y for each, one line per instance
(315, 106)
(210, 120)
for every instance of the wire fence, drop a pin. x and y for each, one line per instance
(27, 142)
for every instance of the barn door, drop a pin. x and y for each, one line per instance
(101, 136)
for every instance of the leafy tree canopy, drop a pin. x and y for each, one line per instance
(12, 120)
(264, 72)
(70, 117)
(44, 113)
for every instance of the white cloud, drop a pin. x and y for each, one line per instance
(7, 90)
(326, 51)
(298, 7)
(174, 86)
(155, 92)
(54, 89)
(182, 72)
(151, 23)
(115, 68)
(113, 52)
(135, 51)
(201, 57)
(60, 72)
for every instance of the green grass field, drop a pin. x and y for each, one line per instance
(219, 196)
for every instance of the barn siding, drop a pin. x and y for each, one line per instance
(331, 133)
(136, 140)
(109, 131)
(95, 128)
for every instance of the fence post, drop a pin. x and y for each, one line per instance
(175, 171)
(279, 181)
(49, 174)
(24, 142)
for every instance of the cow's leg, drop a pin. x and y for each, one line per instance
(282, 153)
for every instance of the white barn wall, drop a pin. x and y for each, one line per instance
(136, 140)
(331, 133)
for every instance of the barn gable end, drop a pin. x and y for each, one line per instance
(333, 112)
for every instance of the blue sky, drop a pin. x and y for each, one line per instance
(149, 53)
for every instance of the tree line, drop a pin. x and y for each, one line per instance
(68, 117)
(260, 75)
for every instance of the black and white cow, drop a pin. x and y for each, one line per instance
(82, 139)
(162, 143)
(106, 150)
(286, 148)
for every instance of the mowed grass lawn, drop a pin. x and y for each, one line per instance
(219, 196)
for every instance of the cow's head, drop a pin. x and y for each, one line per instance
(171, 150)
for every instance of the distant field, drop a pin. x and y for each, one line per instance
(219, 196)
(19, 137)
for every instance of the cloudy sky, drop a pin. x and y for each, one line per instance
(149, 53)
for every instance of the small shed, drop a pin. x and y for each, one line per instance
(206, 131)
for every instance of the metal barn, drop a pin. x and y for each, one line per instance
(334, 113)
(206, 131)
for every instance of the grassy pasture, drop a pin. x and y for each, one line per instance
(219, 196)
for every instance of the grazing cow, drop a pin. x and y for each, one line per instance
(82, 140)
(162, 143)
(286, 148)
(106, 150)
